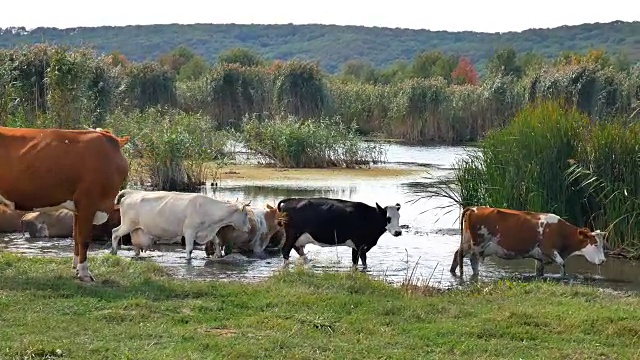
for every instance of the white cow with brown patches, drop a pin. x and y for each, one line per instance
(149, 215)
(512, 234)
(264, 223)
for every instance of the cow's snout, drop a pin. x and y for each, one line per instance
(397, 233)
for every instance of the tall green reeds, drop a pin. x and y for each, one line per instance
(551, 158)
(47, 85)
(169, 149)
(309, 143)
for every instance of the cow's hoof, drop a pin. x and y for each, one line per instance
(260, 255)
(87, 277)
(113, 252)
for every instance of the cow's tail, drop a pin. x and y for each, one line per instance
(121, 195)
(281, 218)
(279, 206)
(463, 216)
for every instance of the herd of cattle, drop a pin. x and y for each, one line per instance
(67, 183)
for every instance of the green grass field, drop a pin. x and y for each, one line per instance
(136, 311)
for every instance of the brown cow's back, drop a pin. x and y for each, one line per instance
(58, 162)
(516, 231)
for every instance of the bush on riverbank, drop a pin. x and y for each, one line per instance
(75, 88)
(551, 158)
(333, 315)
(309, 143)
(169, 149)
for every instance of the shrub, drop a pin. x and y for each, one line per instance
(308, 143)
(169, 148)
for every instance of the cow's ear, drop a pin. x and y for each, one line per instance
(398, 206)
(380, 208)
(583, 232)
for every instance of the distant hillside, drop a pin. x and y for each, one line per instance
(332, 45)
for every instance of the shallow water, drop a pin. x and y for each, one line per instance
(426, 247)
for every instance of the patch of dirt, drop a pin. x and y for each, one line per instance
(219, 332)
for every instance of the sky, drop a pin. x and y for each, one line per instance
(460, 15)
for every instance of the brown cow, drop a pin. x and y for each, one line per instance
(263, 224)
(512, 234)
(51, 169)
(10, 220)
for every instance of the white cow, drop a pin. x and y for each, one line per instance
(165, 215)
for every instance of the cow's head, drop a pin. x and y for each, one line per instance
(592, 245)
(391, 214)
(35, 228)
(274, 219)
(241, 218)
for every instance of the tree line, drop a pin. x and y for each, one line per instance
(435, 97)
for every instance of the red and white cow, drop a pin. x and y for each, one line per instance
(51, 169)
(150, 215)
(512, 234)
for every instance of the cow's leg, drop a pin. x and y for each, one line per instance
(258, 249)
(76, 249)
(189, 240)
(539, 268)
(474, 258)
(82, 236)
(560, 261)
(354, 257)
(116, 234)
(555, 256)
(454, 263)
(208, 248)
(363, 256)
(290, 239)
(218, 247)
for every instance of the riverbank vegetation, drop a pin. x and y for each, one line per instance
(553, 158)
(137, 311)
(182, 112)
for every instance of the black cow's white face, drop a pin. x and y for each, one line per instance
(392, 213)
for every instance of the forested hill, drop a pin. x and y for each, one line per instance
(330, 44)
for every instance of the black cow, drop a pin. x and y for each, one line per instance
(335, 222)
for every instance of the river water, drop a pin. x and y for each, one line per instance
(425, 249)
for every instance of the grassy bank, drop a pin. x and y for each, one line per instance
(136, 311)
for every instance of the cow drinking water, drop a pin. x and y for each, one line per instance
(513, 234)
(335, 222)
(147, 215)
(265, 222)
